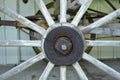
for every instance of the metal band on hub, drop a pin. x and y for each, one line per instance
(64, 45)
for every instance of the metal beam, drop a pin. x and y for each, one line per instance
(110, 4)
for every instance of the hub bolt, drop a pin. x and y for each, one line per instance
(64, 47)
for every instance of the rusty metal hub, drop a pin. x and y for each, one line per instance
(64, 45)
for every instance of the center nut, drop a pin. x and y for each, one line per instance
(64, 45)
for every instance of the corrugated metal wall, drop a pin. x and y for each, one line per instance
(8, 54)
(13, 55)
(106, 52)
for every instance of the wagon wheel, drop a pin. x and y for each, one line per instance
(33, 35)
(62, 43)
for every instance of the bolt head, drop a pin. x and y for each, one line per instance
(63, 46)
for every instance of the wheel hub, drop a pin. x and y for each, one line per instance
(63, 45)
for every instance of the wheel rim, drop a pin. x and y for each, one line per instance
(53, 26)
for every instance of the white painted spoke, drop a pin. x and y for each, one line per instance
(71, 5)
(110, 43)
(45, 12)
(22, 20)
(47, 71)
(102, 66)
(15, 43)
(80, 71)
(63, 9)
(81, 12)
(101, 21)
(63, 73)
(22, 66)
(108, 29)
(81, 1)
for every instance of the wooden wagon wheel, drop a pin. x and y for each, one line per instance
(62, 43)
(33, 35)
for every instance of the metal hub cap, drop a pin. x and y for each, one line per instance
(64, 45)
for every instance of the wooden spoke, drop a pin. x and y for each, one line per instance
(101, 21)
(80, 71)
(25, 43)
(102, 66)
(45, 12)
(47, 71)
(22, 20)
(22, 66)
(110, 43)
(109, 29)
(81, 1)
(63, 73)
(81, 12)
(63, 9)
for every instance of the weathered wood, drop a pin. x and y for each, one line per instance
(22, 20)
(81, 1)
(63, 10)
(102, 66)
(101, 21)
(22, 66)
(45, 12)
(108, 43)
(81, 12)
(63, 72)
(108, 29)
(47, 71)
(80, 71)
(18, 43)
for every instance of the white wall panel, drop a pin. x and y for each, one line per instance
(10, 55)
(95, 52)
(11, 34)
(26, 10)
(26, 52)
(106, 52)
(117, 50)
(2, 49)
(2, 37)
(11, 52)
